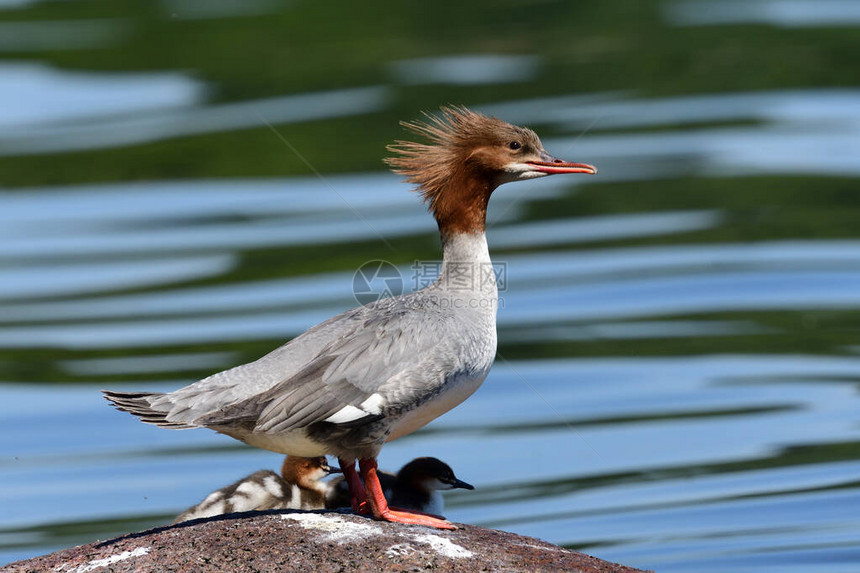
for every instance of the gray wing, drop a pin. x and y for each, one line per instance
(189, 405)
(385, 357)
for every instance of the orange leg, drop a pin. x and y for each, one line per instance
(357, 494)
(380, 509)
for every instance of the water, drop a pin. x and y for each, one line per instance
(785, 13)
(676, 385)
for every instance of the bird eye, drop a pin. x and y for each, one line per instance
(515, 145)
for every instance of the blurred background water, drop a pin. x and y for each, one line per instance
(679, 350)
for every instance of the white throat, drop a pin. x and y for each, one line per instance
(466, 265)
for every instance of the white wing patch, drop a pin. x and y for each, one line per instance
(373, 404)
(349, 413)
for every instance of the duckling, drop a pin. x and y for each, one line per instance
(298, 487)
(420, 482)
(416, 487)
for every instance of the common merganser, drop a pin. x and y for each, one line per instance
(416, 487)
(298, 487)
(383, 370)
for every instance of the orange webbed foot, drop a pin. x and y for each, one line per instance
(414, 518)
(416, 512)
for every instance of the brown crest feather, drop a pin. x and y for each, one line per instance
(429, 166)
(455, 194)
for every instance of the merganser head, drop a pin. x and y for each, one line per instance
(468, 155)
(306, 471)
(430, 474)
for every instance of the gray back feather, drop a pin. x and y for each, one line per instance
(399, 346)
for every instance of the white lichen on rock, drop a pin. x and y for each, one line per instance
(99, 563)
(399, 550)
(334, 526)
(442, 546)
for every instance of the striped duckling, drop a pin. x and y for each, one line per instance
(298, 487)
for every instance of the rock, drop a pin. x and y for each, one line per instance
(313, 542)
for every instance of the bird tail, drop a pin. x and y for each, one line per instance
(140, 404)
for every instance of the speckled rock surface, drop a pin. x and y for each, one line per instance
(324, 542)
